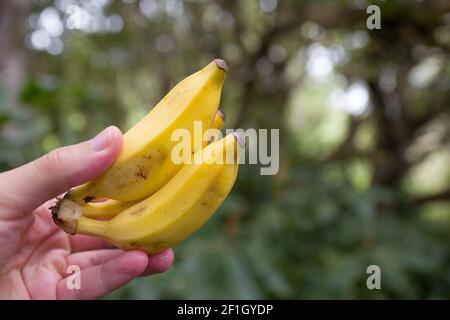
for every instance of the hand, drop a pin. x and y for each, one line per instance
(35, 253)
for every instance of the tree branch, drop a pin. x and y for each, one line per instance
(440, 196)
(346, 147)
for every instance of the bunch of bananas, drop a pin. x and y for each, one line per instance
(154, 203)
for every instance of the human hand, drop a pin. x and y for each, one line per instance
(35, 253)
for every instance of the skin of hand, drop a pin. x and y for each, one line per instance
(35, 254)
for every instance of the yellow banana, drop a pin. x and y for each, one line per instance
(144, 165)
(111, 208)
(219, 119)
(175, 211)
(106, 210)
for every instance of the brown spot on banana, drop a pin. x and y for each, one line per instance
(88, 199)
(138, 211)
(141, 173)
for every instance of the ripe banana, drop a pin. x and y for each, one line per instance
(219, 119)
(175, 211)
(106, 210)
(111, 208)
(144, 164)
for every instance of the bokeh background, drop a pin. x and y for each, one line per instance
(364, 119)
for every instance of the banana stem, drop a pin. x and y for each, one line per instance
(92, 227)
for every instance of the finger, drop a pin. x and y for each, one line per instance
(80, 243)
(61, 169)
(92, 258)
(159, 262)
(102, 279)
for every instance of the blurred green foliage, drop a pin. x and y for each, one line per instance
(363, 117)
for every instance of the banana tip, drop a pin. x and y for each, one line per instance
(239, 136)
(221, 64)
(222, 114)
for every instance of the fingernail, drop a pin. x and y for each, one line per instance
(101, 141)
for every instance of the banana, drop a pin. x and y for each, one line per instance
(174, 212)
(106, 210)
(144, 165)
(111, 208)
(219, 119)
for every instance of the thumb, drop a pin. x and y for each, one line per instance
(33, 184)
